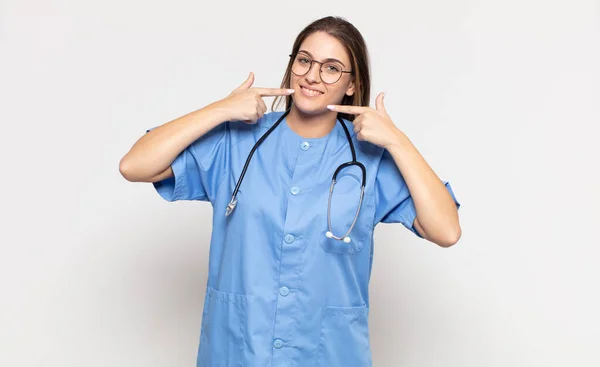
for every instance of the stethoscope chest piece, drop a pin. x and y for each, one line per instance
(230, 206)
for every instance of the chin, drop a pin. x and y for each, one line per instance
(310, 107)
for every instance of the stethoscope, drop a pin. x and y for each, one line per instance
(232, 204)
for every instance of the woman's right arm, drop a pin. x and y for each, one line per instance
(150, 158)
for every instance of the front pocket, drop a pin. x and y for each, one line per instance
(223, 329)
(344, 339)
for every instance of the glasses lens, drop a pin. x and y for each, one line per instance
(301, 65)
(331, 72)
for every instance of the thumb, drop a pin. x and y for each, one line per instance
(247, 83)
(379, 103)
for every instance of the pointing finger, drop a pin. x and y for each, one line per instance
(352, 110)
(272, 92)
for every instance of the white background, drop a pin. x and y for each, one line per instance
(501, 97)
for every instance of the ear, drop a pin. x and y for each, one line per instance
(351, 88)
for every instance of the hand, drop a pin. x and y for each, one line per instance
(372, 125)
(246, 104)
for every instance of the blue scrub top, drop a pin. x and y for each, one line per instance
(279, 292)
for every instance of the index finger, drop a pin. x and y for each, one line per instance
(272, 92)
(352, 110)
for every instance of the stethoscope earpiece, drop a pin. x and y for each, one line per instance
(346, 239)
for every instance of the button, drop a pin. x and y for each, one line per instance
(289, 238)
(305, 145)
(284, 291)
(278, 343)
(295, 190)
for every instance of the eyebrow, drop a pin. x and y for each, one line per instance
(329, 59)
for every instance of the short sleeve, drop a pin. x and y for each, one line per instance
(198, 169)
(393, 203)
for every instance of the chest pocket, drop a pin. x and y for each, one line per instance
(344, 203)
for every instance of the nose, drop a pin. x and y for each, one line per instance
(313, 75)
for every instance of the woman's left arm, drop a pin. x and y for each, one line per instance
(437, 213)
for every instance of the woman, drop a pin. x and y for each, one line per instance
(287, 283)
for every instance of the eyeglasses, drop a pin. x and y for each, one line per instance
(330, 71)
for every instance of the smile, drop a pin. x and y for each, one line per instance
(310, 92)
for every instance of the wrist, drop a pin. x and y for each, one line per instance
(399, 141)
(221, 110)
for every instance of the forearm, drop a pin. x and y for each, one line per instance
(436, 211)
(156, 150)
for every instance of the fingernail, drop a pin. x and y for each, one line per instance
(331, 107)
(291, 90)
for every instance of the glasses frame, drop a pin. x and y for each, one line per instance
(320, 68)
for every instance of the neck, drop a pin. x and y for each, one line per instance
(311, 126)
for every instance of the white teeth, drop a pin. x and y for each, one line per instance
(312, 92)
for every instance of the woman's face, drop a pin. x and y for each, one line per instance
(312, 94)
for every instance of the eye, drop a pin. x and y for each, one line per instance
(333, 68)
(303, 60)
